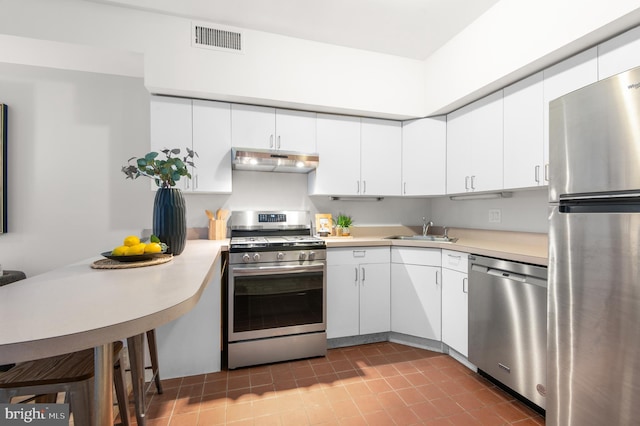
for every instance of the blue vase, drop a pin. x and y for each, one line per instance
(169, 219)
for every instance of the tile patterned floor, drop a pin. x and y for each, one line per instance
(375, 384)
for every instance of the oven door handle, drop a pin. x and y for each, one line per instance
(272, 270)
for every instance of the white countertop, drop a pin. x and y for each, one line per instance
(516, 246)
(77, 307)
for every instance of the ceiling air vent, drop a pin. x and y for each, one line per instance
(216, 37)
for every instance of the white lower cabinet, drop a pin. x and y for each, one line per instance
(455, 287)
(416, 292)
(358, 287)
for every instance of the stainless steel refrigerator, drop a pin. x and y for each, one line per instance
(593, 344)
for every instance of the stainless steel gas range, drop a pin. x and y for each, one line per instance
(276, 288)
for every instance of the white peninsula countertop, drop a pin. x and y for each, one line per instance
(76, 307)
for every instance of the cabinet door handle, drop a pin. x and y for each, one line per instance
(472, 182)
(364, 186)
(546, 172)
(186, 183)
(278, 146)
(363, 275)
(437, 277)
(404, 189)
(465, 285)
(196, 185)
(271, 141)
(358, 190)
(466, 182)
(537, 174)
(356, 281)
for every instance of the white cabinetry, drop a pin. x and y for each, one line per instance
(455, 287)
(523, 138)
(475, 146)
(424, 156)
(191, 344)
(212, 142)
(416, 292)
(619, 54)
(357, 157)
(564, 77)
(380, 157)
(357, 291)
(205, 127)
(270, 128)
(338, 172)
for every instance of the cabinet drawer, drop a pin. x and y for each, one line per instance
(455, 260)
(357, 255)
(416, 256)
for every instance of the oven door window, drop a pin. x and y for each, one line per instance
(262, 302)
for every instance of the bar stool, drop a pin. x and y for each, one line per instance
(135, 347)
(71, 373)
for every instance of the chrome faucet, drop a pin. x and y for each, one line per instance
(425, 226)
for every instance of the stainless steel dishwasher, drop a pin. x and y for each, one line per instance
(508, 324)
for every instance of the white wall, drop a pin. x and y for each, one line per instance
(275, 70)
(526, 211)
(515, 39)
(68, 135)
(511, 40)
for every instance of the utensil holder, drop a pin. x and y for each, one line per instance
(217, 229)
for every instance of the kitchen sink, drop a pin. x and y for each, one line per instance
(436, 238)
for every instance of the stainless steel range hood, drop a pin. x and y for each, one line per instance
(264, 160)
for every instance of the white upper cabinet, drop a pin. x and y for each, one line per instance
(380, 157)
(424, 156)
(171, 127)
(269, 128)
(338, 171)
(459, 135)
(205, 127)
(357, 157)
(564, 77)
(296, 131)
(170, 123)
(619, 54)
(212, 142)
(475, 146)
(523, 138)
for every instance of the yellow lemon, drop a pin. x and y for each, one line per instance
(131, 240)
(120, 251)
(137, 249)
(153, 248)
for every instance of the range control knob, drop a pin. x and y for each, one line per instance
(302, 255)
(280, 255)
(246, 258)
(256, 257)
(312, 255)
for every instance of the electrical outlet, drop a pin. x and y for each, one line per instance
(495, 215)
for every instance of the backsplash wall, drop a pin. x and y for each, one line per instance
(525, 211)
(288, 191)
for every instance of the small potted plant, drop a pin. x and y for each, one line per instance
(343, 223)
(169, 211)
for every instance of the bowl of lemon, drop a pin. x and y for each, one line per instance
(134, 250)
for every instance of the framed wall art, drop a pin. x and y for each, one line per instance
(3, 168)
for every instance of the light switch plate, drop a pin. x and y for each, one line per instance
(495, 215)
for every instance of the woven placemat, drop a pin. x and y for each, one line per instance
(115, 264)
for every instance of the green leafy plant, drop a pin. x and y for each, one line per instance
(164, 172)
(343, 221)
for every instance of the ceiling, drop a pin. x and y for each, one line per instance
(407, 28)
